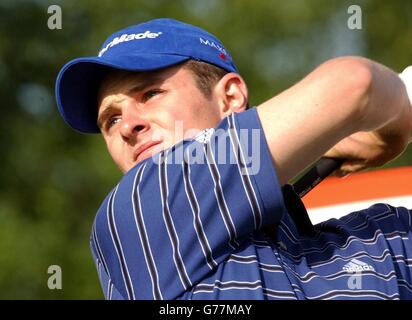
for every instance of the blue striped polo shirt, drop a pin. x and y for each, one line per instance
(207, 219)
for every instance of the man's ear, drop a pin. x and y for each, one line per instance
(232, 95)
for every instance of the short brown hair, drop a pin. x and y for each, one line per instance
(206, 75)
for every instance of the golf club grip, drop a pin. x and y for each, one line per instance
(323, 168)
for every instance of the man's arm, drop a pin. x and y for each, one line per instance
(336, 101)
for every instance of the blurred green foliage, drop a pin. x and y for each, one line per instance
(53, 180)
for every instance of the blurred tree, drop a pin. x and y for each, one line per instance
(53, 179)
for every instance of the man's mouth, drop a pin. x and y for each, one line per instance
(143, 151)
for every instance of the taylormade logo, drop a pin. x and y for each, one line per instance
(128, 37)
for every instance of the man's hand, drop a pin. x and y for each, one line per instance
(364, 150)
(355, 106)
(406, 77)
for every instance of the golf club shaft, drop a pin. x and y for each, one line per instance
(323, 168)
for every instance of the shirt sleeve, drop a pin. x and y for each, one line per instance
(174, 217)
(109, 289)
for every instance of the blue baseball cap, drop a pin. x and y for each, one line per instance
(148, 46)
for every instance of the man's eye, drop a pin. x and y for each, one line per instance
(112, 121)
(151, 93)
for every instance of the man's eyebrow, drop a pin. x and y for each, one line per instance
(145, 82)
(102, 117)
(140, 85)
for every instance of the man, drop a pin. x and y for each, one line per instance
(201, 212)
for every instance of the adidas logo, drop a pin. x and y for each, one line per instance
(205, 135)
(356, 265)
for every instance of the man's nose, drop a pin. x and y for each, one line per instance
(132, 124)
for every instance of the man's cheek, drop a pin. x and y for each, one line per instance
(119, 157)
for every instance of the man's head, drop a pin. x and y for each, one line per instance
(142, 113)
(150, 86)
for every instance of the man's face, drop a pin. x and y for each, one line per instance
(142, 114)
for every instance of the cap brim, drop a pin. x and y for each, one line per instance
(79, 80)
